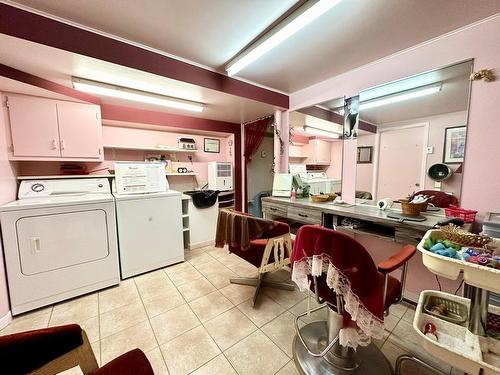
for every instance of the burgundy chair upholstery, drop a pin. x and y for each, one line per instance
(439, 198)
(254, 254)
(133, 362)
(21, 353)
(25, 352)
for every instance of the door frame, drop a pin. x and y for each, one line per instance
(425, 126)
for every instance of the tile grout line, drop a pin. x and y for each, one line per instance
(150, 325)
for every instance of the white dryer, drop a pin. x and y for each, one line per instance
(149, 231)
(59, 241)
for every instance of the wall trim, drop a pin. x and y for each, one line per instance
(5, 320)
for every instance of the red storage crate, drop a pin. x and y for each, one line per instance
(467, 216)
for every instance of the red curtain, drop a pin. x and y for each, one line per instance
(254, 134)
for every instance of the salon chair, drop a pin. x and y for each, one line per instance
(356, 293)
(56, 349)
(438, 198)
(268, 250)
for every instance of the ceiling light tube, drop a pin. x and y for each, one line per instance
(114, 91)
(281, 33)
(316, 131)
(401, 96)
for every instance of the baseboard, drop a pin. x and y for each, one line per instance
(201, 244)
(5, 320)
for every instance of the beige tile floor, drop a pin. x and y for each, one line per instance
(189, 319)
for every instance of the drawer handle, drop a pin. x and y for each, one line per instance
(273, 209)
(303, 215)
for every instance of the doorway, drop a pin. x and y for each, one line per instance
(401, 161)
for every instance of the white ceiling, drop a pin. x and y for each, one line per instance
(59, 66)
(351, 34)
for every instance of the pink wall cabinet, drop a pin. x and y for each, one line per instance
(33, 125)
(46, 129)
(294, 151)
(80, 130)
(317, 152)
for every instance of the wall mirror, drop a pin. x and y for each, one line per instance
(413, 124)
(315, 151)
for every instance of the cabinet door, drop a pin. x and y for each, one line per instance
(33, 125)
(322, 152)
(80, 130)
(294, 151)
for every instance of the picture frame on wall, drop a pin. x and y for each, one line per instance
(365, 154)
(454, 145)
(211, 145)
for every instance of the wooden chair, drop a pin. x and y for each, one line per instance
(53, 350)
(268, 253)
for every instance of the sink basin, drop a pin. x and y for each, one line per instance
(203, 198)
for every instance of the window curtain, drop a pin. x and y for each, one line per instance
(254, 134)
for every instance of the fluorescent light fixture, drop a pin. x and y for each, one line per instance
(316, 131)
(287, 30)
(401, 96)
(114, 91)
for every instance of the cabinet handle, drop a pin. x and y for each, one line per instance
(303, 215)
(273, 209)
(62, 144)
(54, 144)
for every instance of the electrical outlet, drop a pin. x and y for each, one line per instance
(430, 149)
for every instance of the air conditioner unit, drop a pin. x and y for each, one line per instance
(220, 176)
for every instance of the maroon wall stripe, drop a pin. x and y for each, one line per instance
(30, 79)
(33, 27)
(127, 114)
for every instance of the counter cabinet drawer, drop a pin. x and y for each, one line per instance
(304, 215)
(274, 209)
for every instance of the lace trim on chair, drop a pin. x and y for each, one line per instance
(369, 325)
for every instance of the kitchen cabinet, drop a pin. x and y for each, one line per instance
(317, 152)
(47, 129)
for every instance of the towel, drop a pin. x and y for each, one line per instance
(237, 229)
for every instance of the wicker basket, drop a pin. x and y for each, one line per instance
(461, 237)
(412, 209)
(320, 198)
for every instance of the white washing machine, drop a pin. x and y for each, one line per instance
(59, 241)
(149, 231)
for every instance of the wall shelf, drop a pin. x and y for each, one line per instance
(183, 174)
(145, 148)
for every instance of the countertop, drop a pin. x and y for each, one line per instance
(362, 211)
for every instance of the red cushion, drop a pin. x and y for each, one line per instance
(21, 353)
(133, 362)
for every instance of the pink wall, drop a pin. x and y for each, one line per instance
(479, 41)
(8, 191)
(364, 172)
(127, 136)
(335, 169)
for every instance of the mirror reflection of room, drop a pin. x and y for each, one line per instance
(315, 151)
(418, 142)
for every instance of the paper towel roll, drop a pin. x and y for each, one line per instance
(385, 203)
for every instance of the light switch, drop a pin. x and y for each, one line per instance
(430, 149)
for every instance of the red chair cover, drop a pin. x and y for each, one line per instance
(350, 272)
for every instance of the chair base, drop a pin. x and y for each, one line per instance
(259, 282)
(370, 358)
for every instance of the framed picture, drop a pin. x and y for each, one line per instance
(211, 145)
(454, 145)
(365, 154)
